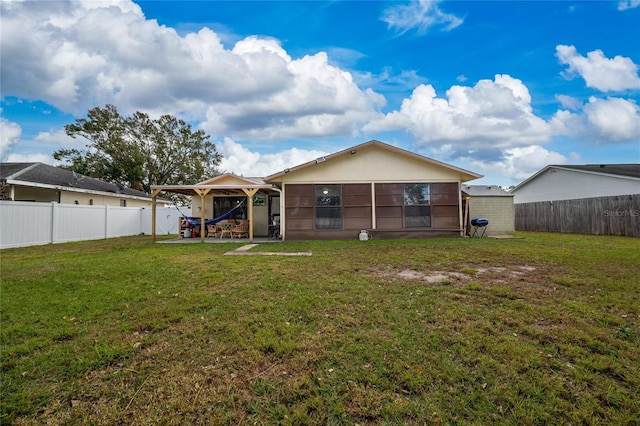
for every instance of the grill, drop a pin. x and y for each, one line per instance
(479, 226)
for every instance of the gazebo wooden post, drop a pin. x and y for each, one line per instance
(202, 193)
(250, 193)
(154, 194)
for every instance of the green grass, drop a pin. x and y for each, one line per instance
(543, 329)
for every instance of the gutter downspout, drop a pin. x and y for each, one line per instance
(461, 225)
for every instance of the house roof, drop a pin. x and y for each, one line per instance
(467, 175)
(628, 170)
(625, 171)
(485, 191)
(46, 176)
(228, 184)
(230, 178)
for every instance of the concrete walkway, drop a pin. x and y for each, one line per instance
(244, 248)
(244, 251)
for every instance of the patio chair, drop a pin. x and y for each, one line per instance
(213, 230)
(240, 230)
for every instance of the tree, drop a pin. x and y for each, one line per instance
(138, 151)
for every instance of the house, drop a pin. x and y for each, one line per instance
(41, 182)
(597, 199)
(493, 203)
(385, 190)
(554, 183)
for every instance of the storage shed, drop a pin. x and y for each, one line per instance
(493, 203)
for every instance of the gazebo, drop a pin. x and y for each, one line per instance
(224, 185)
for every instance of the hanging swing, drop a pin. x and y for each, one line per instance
(195, 222)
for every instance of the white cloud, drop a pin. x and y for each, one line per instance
(9, 136)
(79, 54)
(601, 121)
(628, 4)
(614, 119)
(496, 114)
(521, 162)
(241, 161)
(343, 57)
(30, 158)
(59, 138)
(569, 102)
(598, 71)
(421, 15)
(319, 100)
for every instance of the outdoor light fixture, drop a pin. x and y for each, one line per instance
(320, 160)
(287, 170)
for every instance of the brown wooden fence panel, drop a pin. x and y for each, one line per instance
(616, 215)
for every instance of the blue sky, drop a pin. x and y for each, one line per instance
(499, 88)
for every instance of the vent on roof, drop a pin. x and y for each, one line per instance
(75, 179)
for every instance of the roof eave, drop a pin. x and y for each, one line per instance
(192, 189)
(72, 189)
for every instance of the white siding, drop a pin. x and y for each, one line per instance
(557, 184)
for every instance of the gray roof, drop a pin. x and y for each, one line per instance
(485, 191)
(631, 170)
(625, 171)
(45, 174)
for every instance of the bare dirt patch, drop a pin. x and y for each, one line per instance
(464, 274)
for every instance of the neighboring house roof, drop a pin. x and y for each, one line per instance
(50, 177)
(467, 175)
(485, 191)
(628, 171)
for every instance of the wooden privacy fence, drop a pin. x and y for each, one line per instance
(616, 215)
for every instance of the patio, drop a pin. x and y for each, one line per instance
(217, 240)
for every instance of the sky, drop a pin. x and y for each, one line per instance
(499, 88)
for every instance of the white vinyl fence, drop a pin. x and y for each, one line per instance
(27, 224)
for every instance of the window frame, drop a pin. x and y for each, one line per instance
(329, 206)
(421, 204)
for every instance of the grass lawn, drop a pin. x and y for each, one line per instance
(543, 329)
